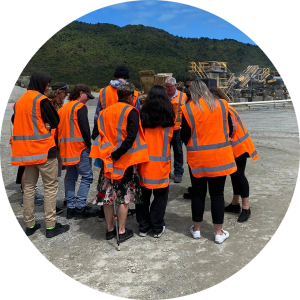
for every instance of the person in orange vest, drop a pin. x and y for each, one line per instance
(177, 99)
(157, 117)
(33, 146)
(57, 95)
(120, 143)
(206, 131)
(74, 142)
(108, 96)
(243, 148)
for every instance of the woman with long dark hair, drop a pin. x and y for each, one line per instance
(157, 117)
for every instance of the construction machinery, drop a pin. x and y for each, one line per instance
(243, 86)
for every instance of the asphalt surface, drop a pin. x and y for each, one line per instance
(174, 265)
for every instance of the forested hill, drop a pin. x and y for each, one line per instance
(89, 53)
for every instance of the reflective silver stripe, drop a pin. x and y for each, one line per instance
(238, 141)
(164, 157)
(118, 172)
(96, 141)
(179, 104)
(154, 181)
(135, 149)
(238, 118)
(29, 158)
(105, 145)
(195, 146)
(110, 165)
(214, 169)
(71, 159)
(31, 137)
(101, 123)
(208, 147)
(36, 135)
(224, 116)
(159, 158)
(253, 153)
(71, 139)
(72, 125)
(119, 128)
(104, 98)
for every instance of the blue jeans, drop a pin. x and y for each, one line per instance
(176, 143)
(83, 168)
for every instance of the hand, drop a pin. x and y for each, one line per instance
(48, 127)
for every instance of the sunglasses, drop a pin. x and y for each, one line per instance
(187, 86)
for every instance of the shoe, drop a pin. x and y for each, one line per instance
(244, 216)
(190, 189)
(172, 177)
(59, 210)
(233, 208)
(187, 196)
(86, 212)
(158, 235)
(195, 234)
(101, 216)
(58, 229)
(143, 234)
(30, 231)
(126, 235)
(111, 234)
(177, 179)
(219, 239)
(70, 213)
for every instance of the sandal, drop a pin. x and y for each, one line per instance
(111, 234)
(126, 235)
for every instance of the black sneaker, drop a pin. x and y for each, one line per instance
(233, 208)
(244, 216)
(30, 231)
(101, 216)
(58, 229)
(86, 212)
(126, 235)
(111, 234)
(59, 210)
(71, 213)
(190, 189)
(177, 179)
(187, 196)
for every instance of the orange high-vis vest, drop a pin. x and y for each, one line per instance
(70, 140)
(155, 173)
(177, 102)
(108, 96)
(31, 140)
(240, 140)
(209, 153)
(112, 125)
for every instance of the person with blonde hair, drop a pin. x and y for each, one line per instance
(206, 130)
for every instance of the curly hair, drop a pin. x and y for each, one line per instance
(52, 97)
(124, 90)
(157, 109)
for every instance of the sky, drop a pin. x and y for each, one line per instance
(177, 19)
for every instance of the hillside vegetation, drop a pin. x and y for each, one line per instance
(89, 53)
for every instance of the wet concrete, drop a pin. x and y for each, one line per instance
(148, 268)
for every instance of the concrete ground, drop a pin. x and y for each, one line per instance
(148, 268)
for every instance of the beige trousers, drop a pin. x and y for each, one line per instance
(48, 171)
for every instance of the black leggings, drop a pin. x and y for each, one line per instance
(216, 192)
(239, 181)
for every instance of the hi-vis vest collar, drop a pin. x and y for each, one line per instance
(36, 136)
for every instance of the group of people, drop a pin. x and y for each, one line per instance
(132, 147)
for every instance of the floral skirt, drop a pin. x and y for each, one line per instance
(124, 191)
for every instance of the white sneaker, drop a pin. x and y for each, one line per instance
(158, 235)
(219, 239)
(195, 234)
(143, 234)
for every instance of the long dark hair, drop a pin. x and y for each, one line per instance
(157, 109)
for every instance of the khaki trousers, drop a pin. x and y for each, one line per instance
(48, 171)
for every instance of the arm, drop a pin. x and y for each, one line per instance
(132, 130)
(230, 125)
(84, 125)
(49, 114)
(137, 104)
(185, 132)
